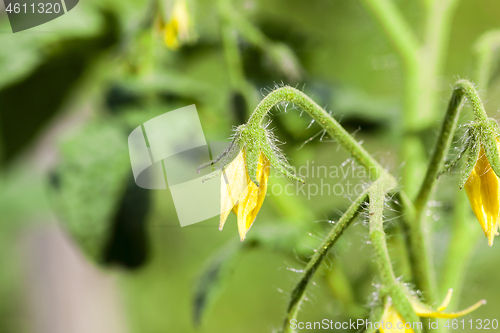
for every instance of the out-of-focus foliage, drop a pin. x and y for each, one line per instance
(86, 191)
(71, 91)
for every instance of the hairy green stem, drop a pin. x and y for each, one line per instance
(465, 234)
(324, 119)
(422, 96)
(376, 173)
(297, 296)
(418, 242)
(423, 65)
(463, 89)
(395, 289)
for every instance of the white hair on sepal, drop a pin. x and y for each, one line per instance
(374, 300)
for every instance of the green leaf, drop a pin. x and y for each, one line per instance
(90, 181)
(211, 281)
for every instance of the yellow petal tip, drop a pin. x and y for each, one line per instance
(446, 300)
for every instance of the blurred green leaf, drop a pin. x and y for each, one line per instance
(211, 281)
(90, 182)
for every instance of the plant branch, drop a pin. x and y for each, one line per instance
(463, 89)
(465, 234)
(281, 55)
(298, 292)
(420, 106)
(422, 267)
(437, 32)
(232, 56)
(485, 50)
(397, 28)
(395, 289)
(324, 119)
(336, 131)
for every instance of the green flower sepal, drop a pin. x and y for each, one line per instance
(482, 140)
(253, 140)
(244, 169)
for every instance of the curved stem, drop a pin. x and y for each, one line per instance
(463, 89)
(465, 235)
(324, 119)
(382, 178)
(418, 247)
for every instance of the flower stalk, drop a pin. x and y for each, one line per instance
(419, 256)
(465, 234)
(323, 118)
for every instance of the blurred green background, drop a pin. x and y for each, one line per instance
(82, 249)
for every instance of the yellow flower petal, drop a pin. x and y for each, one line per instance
(392, 322)
(446, 300)
(423, 311)
(483, 190)
(252, 198)
(233, 184)
(171, 33)
(177, 30)
(438, 314)
(181, 14)
(240, 194)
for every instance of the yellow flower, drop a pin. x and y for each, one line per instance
(483, 190)
(171, 33)
(391, 315)
(423, 311)
(397, 324)
(240, 194)
(178, 30)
